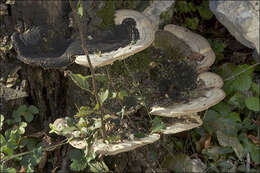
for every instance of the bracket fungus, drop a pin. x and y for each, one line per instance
(41, 46)
(210, 92)
(143, 30)
(184, 70)
(98, 146)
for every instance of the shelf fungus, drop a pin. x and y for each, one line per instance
(99, 146)
(132, 34)
(170, 79)
(208, 91)
(42, 46)
(196, 43)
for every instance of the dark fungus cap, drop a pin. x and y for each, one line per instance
(41, 46)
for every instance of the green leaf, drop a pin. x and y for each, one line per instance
(217, 46)
(234, 116)
(76, 154)
(226, 141)
(1, 121)
(78, 165)
(22, 127)
(78, 159)
(7, 150)
(255, 88)
(252, 103)
(237, 100)
(31, 160)
(204, 11)
(180, 163)
(80, 9)
(243, 70)
(215, 152)
(80, 80)
(192, 23)
(211, 121)
(222, 108)
(16, 117)
(21, 109)
(7, 170)
(225, 70)
(2, 140)
(242, 83)
(157, 125)
(122, 94)
(33, 109)
(103, 96)
(30, 143)
(84, 111)
(251, 148)
(28, 116)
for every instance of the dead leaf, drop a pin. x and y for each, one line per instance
(37, 134)
(204, 142)
(254, 139)
(207, 141)
(22, 170)
(54, 169)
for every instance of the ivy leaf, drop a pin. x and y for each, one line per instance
(78, 159)
(31, 160)
(21, 109)
(222, 108)
(33, 109)
(252, 103)
(28, 116)
(16, 117)
(242, 82)
(237, 100)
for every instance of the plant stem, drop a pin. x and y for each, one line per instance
(50, 148)
(139, 90)
(84, 47)
(243, 71)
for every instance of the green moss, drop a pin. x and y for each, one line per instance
(136, 63)
(108, 11)
(107, 14)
